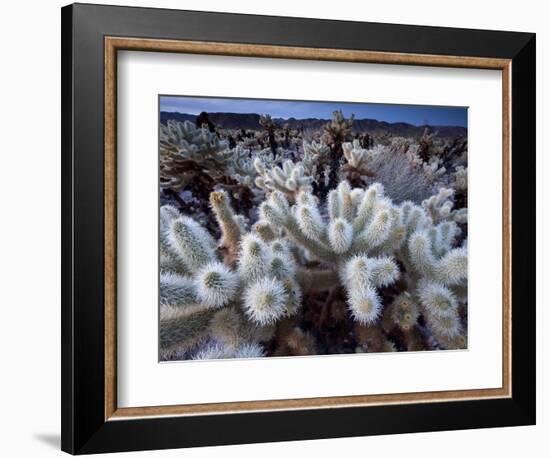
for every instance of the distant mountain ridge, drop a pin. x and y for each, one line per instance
(251, 121)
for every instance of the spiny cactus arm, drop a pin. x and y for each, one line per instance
(254, 258)
(290, 179)
(340, 235)
(264, 301)
(310, 222)
(241, 167)
(360, 275)
(460, 178)
(383, 271)
(181, 328)
(440, 205)
(214, 351)
(420, 253)
(316, 157)
(316, 248)
(347, 209)
(279, 217)
(228, 326)
(375, 234)
(192, 243)
(452, 269)
(437, 299)
(357, 158)
(447, 231)
(397, 234)
(186, 141)
(460, 215)
(249, 350)
(264, 231)
(216, 285)
(445, 327)
(366, 206)
(170, 261)
(176, 290)
(227, 220)
(414, 218)
(221, 351)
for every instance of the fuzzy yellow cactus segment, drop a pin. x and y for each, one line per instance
(227, 220)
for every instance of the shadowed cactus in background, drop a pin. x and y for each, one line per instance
(289, 179)
(335, 133)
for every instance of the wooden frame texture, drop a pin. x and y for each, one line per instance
(91, 420)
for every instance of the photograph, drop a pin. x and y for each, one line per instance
(298, 228)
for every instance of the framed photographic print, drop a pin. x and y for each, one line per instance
(271, 222)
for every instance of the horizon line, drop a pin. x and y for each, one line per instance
(319, 119)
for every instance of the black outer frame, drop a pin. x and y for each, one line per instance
(84, 429)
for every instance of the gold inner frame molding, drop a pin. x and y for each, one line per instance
(114, 44)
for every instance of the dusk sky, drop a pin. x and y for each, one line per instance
(412, 114)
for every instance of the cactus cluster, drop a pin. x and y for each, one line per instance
(339, 242)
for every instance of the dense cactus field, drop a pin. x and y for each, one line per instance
(280, 240)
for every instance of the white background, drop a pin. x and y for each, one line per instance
(30, 230)
(142, 76)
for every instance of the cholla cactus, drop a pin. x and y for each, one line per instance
(460, 179)
(359, 162)
(289, 179)
(259, 281)
(440, 207)
(241, 167)
(267, 123)
(359, 221)
(433, 168)
(439, 272)
(335, 133)
(338, 130)
(316, 161)
(184, 146)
